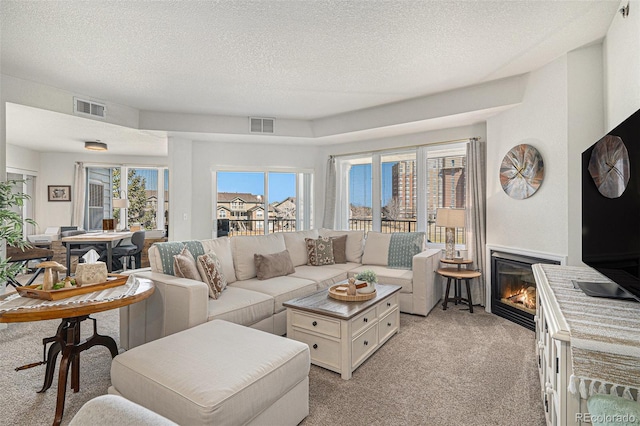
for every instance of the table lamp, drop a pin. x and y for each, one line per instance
(121, 203)
(450, 219)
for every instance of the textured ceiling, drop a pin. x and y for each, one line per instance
(284, 59)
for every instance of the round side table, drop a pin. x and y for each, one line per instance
(458, 275)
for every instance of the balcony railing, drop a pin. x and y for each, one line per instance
(435, 234)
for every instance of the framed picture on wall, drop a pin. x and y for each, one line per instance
(59, 192)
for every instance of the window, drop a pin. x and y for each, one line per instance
(265, 201)
(27, 210)
(148, 204)
(401, 191)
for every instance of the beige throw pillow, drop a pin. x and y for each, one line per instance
(210, 269)
(339, 249)
(184, 265)
(273, 265)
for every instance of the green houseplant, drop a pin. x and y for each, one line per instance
(11, 225)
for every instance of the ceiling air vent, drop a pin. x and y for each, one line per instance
(261, 125)
(89, 108)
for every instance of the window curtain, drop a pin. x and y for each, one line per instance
(77, 201)
(329, 219)
(476, 215)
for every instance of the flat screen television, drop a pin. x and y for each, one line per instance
(611, 211)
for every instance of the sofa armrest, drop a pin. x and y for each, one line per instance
(175, 305)
(426, 294)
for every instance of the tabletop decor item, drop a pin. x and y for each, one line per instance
(609, 166)
(370, 278)
(35, 291)
(340, 292)
(521, 171)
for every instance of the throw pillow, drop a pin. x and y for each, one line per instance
(273, 265)
(210, 270)
(184, 265)
(319, 251)
(339, 249)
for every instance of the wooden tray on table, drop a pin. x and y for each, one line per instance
(337, 292)
(113, 280)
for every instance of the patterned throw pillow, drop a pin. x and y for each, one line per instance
(184, 265)
(320, 251)
(211, 272)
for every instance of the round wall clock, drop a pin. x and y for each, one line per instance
(521, 171)
(609, 166)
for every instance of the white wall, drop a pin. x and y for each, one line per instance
(58, 168)
(23, 159)
(538, 223)
(622, 65)
(181, 189)
(585, 122)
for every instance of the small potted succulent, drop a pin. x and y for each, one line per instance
(370, 278)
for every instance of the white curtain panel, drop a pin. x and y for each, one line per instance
(77, 201)
(329, 219)
(476, 216)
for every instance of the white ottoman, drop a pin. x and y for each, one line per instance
(217, 373)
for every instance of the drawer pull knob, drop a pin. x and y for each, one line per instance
(315, 346)
(388, 324)
(388, 303)
(365, 319)
(366, 342)
(314, 323)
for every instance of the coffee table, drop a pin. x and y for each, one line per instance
(342, 335)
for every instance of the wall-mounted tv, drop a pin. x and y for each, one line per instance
(611, 210)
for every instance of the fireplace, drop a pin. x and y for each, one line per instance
(513, 287)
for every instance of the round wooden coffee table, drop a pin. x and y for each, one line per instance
(67, 338)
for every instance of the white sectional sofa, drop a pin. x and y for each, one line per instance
(181, 303)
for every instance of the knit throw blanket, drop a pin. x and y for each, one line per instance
(605, 335)
(170, 249)
(402, 247)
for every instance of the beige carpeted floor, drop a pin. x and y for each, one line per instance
(450, 368)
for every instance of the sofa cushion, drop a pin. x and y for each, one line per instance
(211, 273)
(280, 288)
(222, 248)
(184, 265)
(339, 249)
(355, 240)
(243, 249)
(297, 247)
(376, 249)
(401, 277)
(273, 265)
(225, 374)
(324, 276)
(109, 409)
(241, 306)
(319, 251)
(345, 266)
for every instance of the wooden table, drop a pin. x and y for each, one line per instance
(458, 275)
(342, 335)
(67, 338)
(107, 238)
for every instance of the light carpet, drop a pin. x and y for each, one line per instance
(450, 368)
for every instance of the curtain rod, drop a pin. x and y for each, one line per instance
(403, 147)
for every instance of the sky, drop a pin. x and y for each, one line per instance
(360, 184)
(281, 185)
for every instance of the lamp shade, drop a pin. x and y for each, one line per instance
(450, 218)
(120, 203)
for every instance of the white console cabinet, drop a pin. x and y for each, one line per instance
(554, 357)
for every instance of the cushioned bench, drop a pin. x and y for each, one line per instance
(217, 373)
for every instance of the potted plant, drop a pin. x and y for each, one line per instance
(11, 227)
(370, 278)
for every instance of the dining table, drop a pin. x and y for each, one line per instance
(107, 238)
(72, 312)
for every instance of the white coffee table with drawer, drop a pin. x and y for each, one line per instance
(342, 335)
